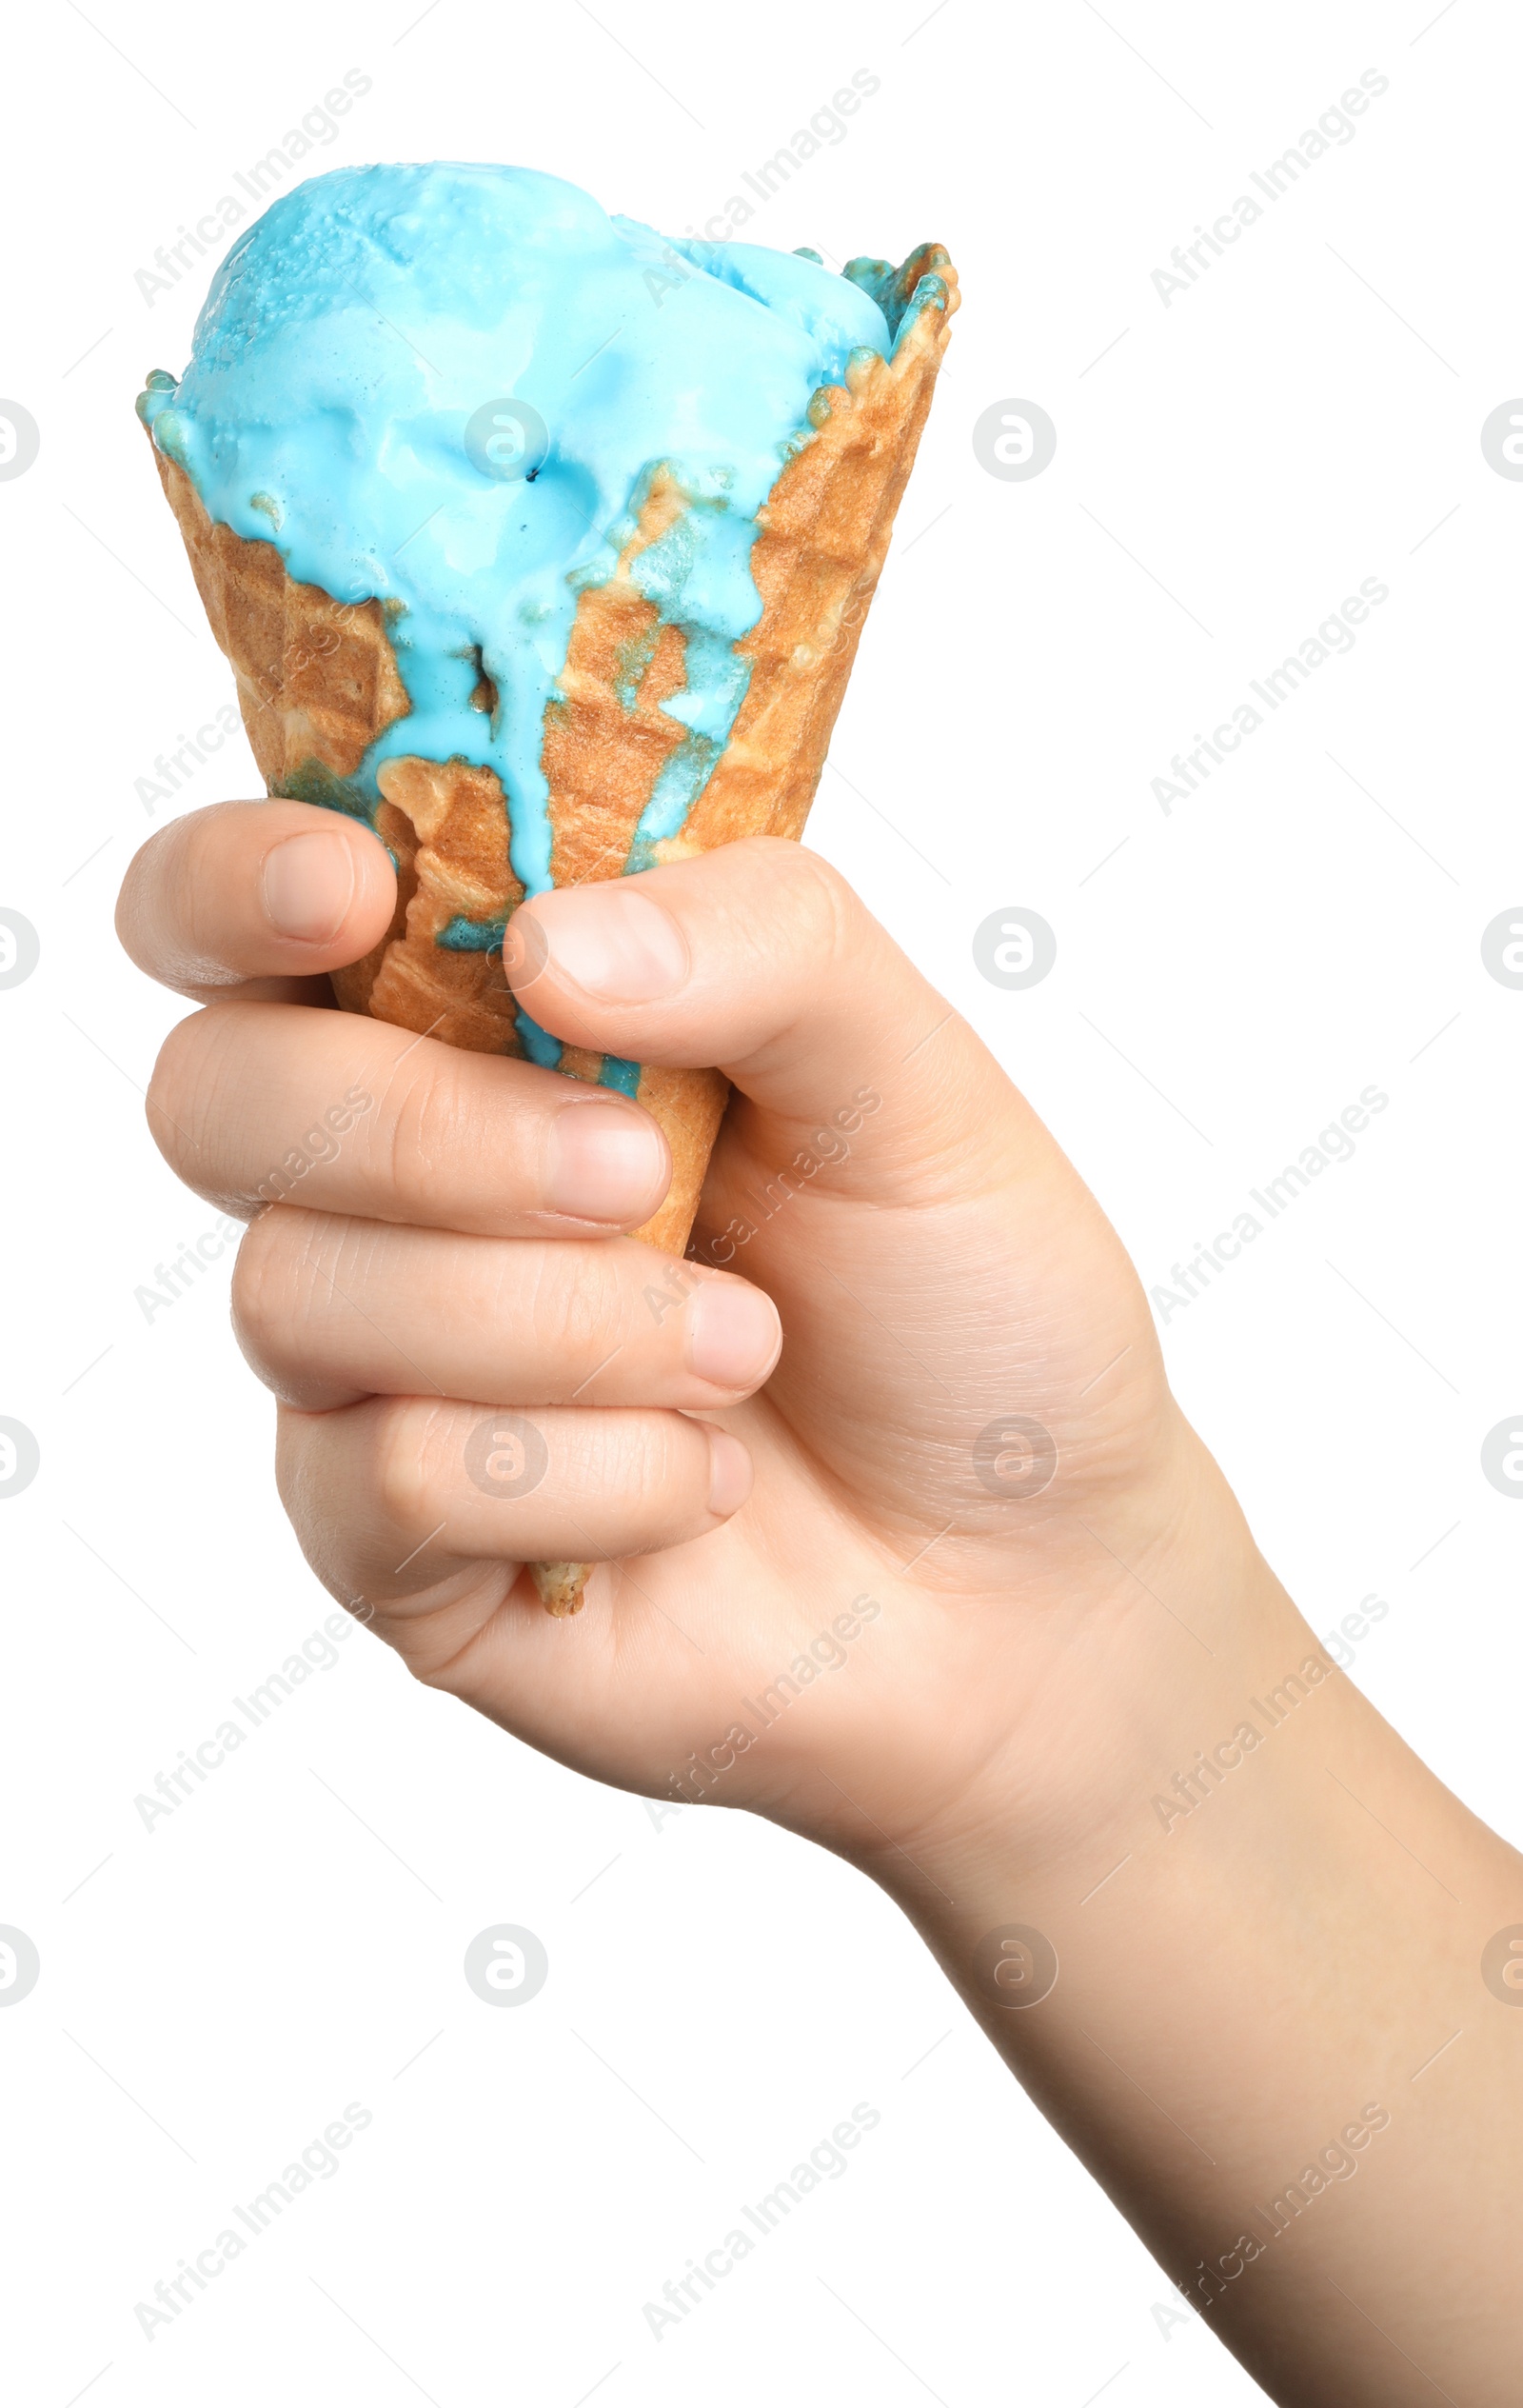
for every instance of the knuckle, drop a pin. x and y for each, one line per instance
(806, 902)
(407, 1474)
(197, 1093)
(576, 1306)
(297, 1489)
(425, 1129)
(262, 1286)
(173, 1093)
(829, 905)
(133, 902)
(650, 1459)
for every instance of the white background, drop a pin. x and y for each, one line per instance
(1306, 416)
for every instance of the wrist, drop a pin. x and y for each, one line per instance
(1138, 1695)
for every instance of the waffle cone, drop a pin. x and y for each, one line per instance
(318, 683)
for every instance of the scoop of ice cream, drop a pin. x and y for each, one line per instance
(450, 388)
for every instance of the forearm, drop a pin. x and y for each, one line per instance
(1269, 2035)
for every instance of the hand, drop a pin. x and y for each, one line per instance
(948, 1584)
(912, 1539)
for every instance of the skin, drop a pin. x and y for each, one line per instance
(1255, 1972)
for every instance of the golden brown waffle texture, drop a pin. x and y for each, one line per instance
(318, 683)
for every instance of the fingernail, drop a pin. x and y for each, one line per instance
(729, 1471)
(604, 1163)
(525, 951)
(612, 941)
(732, 1334)
(308, 885)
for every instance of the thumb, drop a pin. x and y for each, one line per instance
(759, 960)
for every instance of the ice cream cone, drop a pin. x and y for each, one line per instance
(318, 682)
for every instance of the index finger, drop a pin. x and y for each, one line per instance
(257, 900)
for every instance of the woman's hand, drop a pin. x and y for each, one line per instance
(887, 1505)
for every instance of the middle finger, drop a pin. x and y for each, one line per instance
(328, 1310)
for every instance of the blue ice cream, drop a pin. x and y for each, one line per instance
(448, 387)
